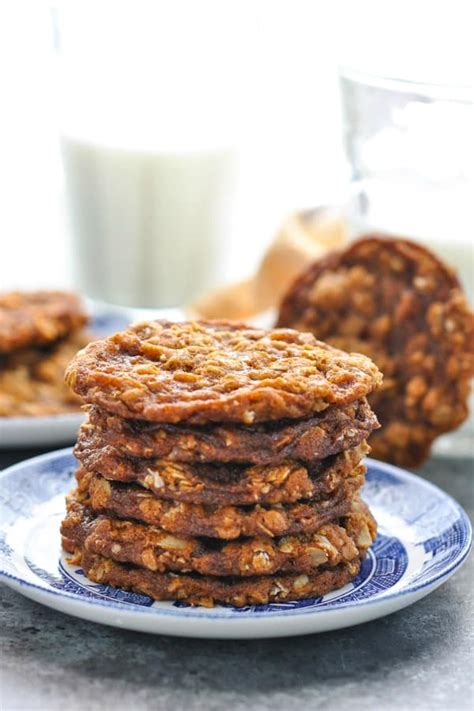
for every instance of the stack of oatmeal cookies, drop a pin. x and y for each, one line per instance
(220, 463)
(39, 334)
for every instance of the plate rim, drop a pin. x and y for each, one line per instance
(40, 419)
(179, 613)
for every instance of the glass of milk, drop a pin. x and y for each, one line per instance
(149, 135)
(411, 153)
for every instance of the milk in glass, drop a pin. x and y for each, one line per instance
(148, 226)
(148, 115)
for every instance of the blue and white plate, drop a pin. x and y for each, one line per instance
(424, 536)
(56, 429)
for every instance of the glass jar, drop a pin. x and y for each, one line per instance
(149, 144)
(410, 147)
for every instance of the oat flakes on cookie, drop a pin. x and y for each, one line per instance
(39, 334)
(328, 432)
(32, 379)
(199, 372)
(155, 549)
(220, 484)
(397, 303)
(207, 591)
(129, 501)
(37, 318)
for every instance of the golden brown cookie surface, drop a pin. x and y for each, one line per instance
(331, 431)
(221, 484)
(36, 318)
(128, 501)
(155, 549)
(208, 591)
(200, 372)
(394, 301)
(32, 380)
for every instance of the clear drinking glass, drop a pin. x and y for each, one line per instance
(411, 152)
(148, 143)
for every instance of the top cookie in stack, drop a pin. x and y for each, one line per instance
(40, 331)
(220, 463)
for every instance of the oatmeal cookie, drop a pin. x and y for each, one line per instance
(397, 303)
(224, 484)
(32, 380)
(331, 431)
(37, 318)
(208, 591)
(155, 549)
(199, 372)
(128, 501)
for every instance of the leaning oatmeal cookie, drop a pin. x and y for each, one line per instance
(36, 318)
(208, 591)
(328, 432)
(199, 372)
(397, 303)
(155, 549)
(129, 501)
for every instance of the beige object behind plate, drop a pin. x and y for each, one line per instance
(304, 237)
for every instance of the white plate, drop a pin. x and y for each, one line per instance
(424, 536)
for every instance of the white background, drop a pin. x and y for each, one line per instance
(293, 148)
